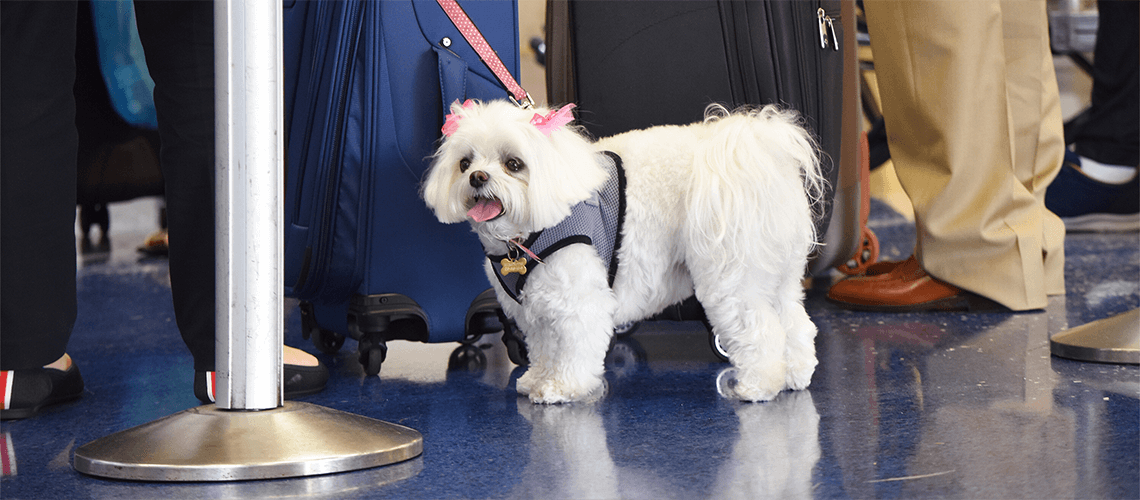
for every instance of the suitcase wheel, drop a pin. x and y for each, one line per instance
(867, 254)
(717, 348)
(327, 341)
(372, 350)
(470, 338)
(624, 331)
(467, 358)
(625, 356)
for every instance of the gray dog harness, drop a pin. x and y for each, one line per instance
(597, 221)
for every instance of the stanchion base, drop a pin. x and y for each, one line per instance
(209, 444)
(1110, 340)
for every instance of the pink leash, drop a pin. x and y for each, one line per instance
(486, 53)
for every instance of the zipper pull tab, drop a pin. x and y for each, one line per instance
(834, 37)
(820, 14)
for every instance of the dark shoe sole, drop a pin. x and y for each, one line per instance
(69, 382)
(22, 413)
(1102, 223)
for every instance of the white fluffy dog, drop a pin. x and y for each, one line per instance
(722, 209)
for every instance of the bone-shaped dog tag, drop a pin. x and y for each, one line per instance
(513, 266)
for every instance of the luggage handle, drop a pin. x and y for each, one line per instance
(471, 33)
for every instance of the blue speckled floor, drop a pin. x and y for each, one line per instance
(916, 405)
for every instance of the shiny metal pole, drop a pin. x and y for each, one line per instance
(249, 433)
(249, 151)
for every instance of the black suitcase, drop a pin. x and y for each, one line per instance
(634, 64)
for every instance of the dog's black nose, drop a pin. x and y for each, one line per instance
(479, 178)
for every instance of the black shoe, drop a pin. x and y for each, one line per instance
(1088, 205)
(28, 391)
(299, 381)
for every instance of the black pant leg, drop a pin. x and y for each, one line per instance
(178, 38)
(1111, 134)
(37, 181)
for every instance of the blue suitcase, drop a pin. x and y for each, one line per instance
(367, 88)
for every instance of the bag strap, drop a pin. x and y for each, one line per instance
(471, 33)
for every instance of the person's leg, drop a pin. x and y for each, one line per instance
(1038, 137)
(1111, 134)
(1098, 188)
(953, 134)
(37, 206)
(37, 182)
(178, 38)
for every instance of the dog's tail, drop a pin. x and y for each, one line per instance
(756, 186)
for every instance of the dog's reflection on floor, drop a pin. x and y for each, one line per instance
(775, 452)
(571, 458)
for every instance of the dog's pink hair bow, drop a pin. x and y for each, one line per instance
(451, 122)
(554, 119)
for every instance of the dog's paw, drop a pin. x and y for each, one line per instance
(525, 382)
(799, 376)
(554, 391)
(756, 387)
(756, 392)
(548, 395)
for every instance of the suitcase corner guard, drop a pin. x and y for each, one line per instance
(391, 315)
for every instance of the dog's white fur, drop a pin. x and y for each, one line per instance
(722, 208)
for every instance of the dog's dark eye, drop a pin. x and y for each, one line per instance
(464, 164)
(515, 165)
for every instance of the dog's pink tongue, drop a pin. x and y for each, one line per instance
(485, 210)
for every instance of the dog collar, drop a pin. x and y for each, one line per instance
(597, 222)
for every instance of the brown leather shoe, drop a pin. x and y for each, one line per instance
(905, 288)
(882, 267)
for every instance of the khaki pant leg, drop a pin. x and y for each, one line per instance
(948, 100)
(1035, 107)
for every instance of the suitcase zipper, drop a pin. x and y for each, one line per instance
(315, 264)
(826, 30)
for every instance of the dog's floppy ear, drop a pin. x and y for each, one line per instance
(437, 188)
(567, 173)
(438, 185)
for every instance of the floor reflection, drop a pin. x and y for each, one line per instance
(771, 454)
(775, 452)
(971, 405)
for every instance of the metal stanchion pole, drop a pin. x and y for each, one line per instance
(249, 314)
(249, 433)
